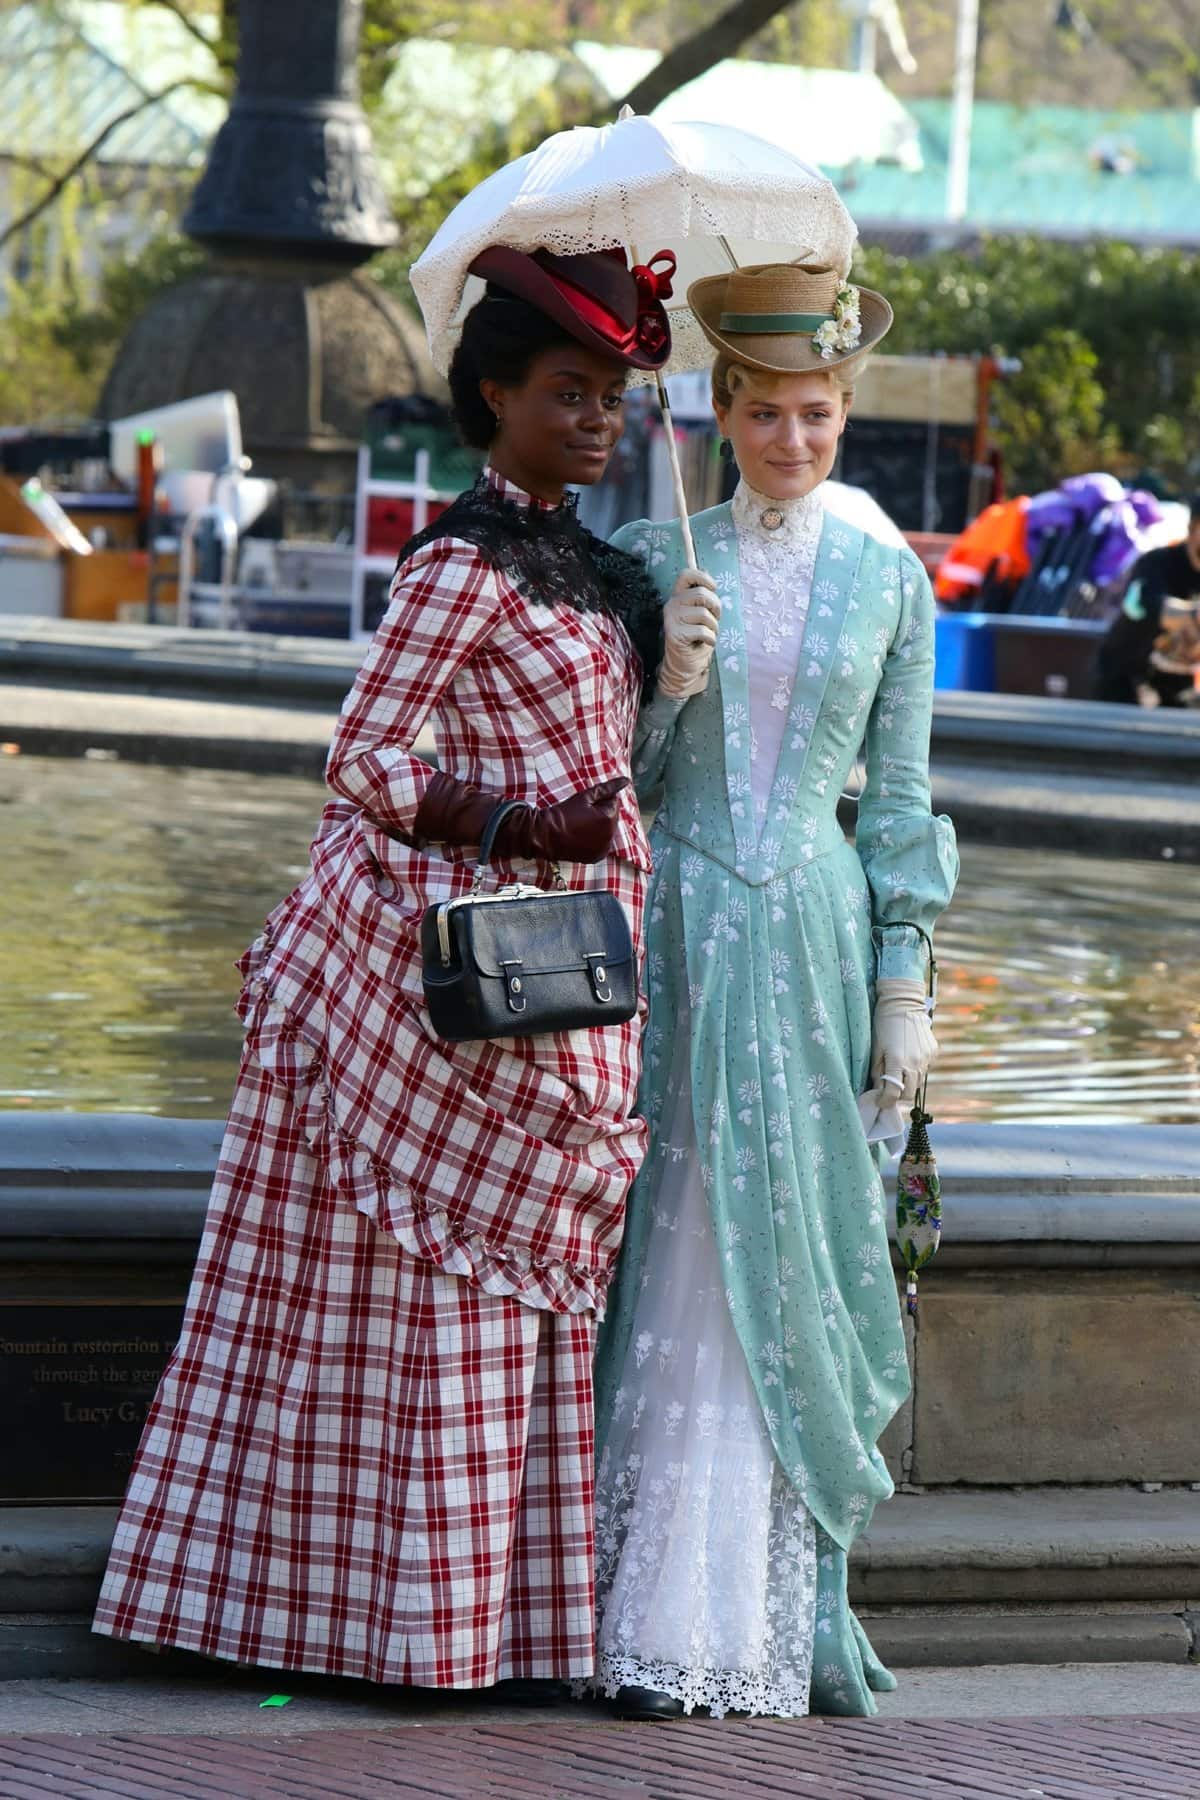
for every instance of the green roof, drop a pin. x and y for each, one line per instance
(1056, 169)
(1066, 137)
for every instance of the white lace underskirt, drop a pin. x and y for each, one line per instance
(706, 1563)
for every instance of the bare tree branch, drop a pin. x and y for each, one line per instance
(21, 223)
(683, 63)
(189, 25)
(19, 161)
(1158, 55)
(1151, 62)
(727, 33)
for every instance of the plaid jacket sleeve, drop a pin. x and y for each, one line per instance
(444, 604)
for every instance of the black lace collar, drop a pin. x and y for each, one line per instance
(553, 560)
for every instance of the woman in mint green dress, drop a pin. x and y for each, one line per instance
(754, 1350)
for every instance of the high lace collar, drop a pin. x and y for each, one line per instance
(798, 516)
(519, 496)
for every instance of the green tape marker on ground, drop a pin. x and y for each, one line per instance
(276, 1700)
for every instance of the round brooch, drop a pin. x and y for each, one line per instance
(770, 518)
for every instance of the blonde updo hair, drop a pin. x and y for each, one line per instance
(728, 375)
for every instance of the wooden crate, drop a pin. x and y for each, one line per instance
(97, 586)
(933, 388)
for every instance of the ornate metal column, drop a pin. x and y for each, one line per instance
(289, 203)
(292, 169)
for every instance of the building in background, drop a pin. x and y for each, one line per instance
(84, 76)
(66, 74)
(1055, 171)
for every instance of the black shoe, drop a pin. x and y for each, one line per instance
(525, 1690)
(645, 1703)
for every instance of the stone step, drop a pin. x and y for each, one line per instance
(1045, 1545)
(950, 1578)
(62, 1646)
(948, 1637)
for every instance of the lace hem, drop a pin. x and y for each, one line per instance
(717, 1691)
(658, 207)
(418, 1223)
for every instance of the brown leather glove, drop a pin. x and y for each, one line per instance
(580, 828)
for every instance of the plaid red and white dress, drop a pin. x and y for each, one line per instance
(371, 1453)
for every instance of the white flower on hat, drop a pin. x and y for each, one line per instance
(844, 330)
(826, 337)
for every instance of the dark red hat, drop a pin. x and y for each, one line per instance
(595, 297)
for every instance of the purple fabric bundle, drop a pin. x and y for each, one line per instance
(1115, 518)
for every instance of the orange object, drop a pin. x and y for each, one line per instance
(992, 546)
(96, 586)
(931, 547)
(149, 468)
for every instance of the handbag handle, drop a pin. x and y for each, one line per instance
(488, 841)
(491, 830)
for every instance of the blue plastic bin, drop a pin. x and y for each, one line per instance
(964, 651)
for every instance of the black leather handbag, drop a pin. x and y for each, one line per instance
(524, 960)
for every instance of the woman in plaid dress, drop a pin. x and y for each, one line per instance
(371, 1453)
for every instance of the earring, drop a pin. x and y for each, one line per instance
(726, 450)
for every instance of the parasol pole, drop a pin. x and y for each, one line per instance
(664, 404)
(669, 423)
(681, 505)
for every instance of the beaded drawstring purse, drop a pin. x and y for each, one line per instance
(918, 1185)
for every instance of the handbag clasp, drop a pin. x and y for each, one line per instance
(513, 985)
(597, 968)
(516, 890)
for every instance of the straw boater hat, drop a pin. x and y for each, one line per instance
(788, 317)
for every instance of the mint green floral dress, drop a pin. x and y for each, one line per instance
(754, 1351)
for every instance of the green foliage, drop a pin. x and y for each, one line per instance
(1136, 310)
(533, 25)
(55, 348)
(1050, 417)
(813, 37)
(419, 215)
(40, 378)
(92, 330)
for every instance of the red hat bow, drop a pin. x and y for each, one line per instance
(653, 287)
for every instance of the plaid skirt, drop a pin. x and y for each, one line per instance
(356, 1463)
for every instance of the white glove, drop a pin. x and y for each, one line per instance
(690, 620)
(903, 1049)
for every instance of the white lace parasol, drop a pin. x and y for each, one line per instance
(715, 195)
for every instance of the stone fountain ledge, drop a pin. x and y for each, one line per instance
(1010, 769)
(1048, 1463)
(173, 732)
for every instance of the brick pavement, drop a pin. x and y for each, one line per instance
(836, 1759)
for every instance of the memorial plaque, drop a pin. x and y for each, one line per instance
(76, 1382)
